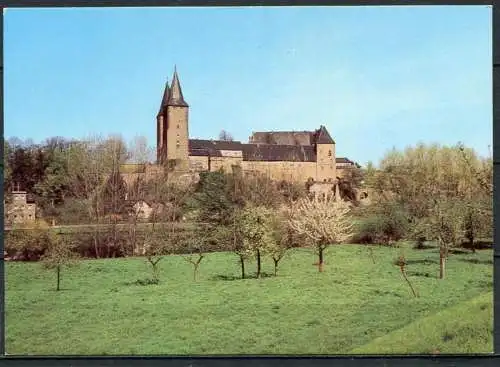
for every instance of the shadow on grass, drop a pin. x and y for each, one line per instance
(478, 261)
(421, 262)
(459, 252)
(386, 293)
(142, 282)
(234, 277)
(423, 247)
(419, 274)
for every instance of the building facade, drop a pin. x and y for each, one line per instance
(19, 210)
(282, 155)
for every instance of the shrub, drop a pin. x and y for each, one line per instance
(383, 225)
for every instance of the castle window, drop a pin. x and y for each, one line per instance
(178, 126)
(329, 153)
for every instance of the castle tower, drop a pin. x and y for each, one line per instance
(161, 125)
(174, 134)
(325, 156)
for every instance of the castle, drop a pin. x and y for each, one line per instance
(281, 155)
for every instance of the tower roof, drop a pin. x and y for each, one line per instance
(164, 100)
(323, 136)
(175, 94)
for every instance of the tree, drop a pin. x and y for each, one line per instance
(194, 248)
(7, 169)
(212, 199)
(225, 136)
(157, 244)
(350, 183)
(141, 154)
(324, 222)
(444, 224)
(256, 232)
(383, 223)
(58, 255)
(477, 222)
(283, 237)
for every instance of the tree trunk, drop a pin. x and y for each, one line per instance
(258, 263)
(320, 258)
(155, 272)
(58, 270)
(242, 263)
(275, 267)
(96, 244)
(408, 281)
(195, 271)
(442, 263)
(371, 253)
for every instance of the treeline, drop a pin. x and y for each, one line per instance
(430, 193)
(423, 193)
(72, 181)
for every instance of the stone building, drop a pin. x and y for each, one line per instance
(19, 210)
(282, 155)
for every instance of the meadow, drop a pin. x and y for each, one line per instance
(359, 304)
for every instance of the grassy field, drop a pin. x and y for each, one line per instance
(356, 305)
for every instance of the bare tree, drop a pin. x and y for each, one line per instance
(225, 136)
(140, 154)
(194, 248)
(401, 262)
(157, 244)
(324, 222)
(58, 255)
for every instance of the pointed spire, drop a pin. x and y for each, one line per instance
(164, 101)
(176, 98)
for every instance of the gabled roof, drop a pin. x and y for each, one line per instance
(274, 152)
(282, 137)
(323, 136)
(176, 98)
(253, 152)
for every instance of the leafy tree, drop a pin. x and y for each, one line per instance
(256, 232)
(212, 199)
(383, 223)
(323, 222)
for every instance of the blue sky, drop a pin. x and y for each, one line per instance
(376, 77)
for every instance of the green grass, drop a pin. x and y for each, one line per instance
(354, 303)
(465, 328)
